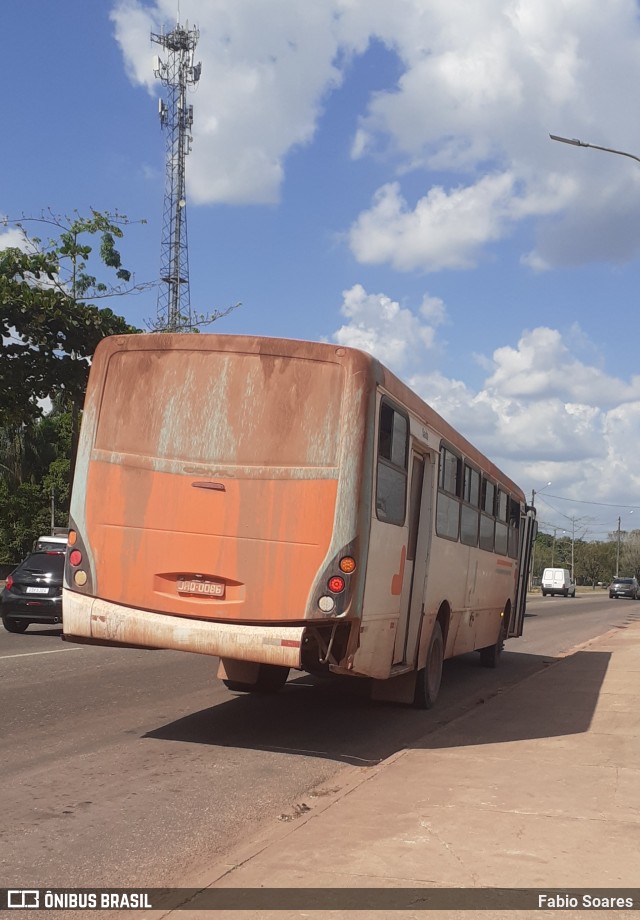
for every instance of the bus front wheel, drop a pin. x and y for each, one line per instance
(490, 656)
(271, 678)
(429, 677)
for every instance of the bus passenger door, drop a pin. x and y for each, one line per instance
(418, 542)
(528, 532)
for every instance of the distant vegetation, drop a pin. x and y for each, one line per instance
(594, 561)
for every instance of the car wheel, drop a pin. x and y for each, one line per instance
(429, 677)
(15, 626)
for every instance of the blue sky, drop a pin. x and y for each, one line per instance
(379, 174)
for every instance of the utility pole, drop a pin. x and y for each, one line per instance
(618, 551)
(533, 548)
(178, 72)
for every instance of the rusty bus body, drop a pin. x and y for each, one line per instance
(284, 504)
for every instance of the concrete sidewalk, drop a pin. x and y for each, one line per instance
(539, 788)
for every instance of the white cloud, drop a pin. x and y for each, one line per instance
(394, 334)
(541, 414)
(265, 70)
(13, 238)
(446, 229)
(477, 96)
(542, 366)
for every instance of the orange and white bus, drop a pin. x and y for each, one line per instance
(284, 504)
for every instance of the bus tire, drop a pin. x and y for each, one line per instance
(429, 678)
(271, 678)
(490, 655)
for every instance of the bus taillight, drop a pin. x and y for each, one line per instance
(347, 565)
(336, 584)
(75, 557)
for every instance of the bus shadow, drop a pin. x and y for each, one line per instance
(335, 719)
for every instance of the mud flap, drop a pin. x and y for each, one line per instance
(400, 689)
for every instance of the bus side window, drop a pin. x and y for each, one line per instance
(469, 513)
(487, 519)
(514, 527)
(502, 535)
(449, 492)
(391, 476)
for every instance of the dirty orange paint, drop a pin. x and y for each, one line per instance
(398, 578)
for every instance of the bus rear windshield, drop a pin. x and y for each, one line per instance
(221, 408)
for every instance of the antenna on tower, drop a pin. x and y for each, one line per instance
(177, 72)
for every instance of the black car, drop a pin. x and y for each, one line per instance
(33, 592)
(624, 587)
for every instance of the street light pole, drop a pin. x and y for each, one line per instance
(618, 551)
(577, 143)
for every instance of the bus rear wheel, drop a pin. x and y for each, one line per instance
(271, 678)
(429, 678)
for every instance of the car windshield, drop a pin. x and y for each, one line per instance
(42, 564)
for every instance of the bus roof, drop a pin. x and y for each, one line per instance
(320, 351)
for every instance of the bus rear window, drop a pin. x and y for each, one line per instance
(222, 408)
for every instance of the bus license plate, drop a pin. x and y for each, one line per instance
(207, 588)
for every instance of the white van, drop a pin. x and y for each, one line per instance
(558, 581)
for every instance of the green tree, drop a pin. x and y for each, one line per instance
(630, 554)
(48, 325)
(27, 488)
(593, 561)
(49, 329)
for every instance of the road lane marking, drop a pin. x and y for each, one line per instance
(51, 651)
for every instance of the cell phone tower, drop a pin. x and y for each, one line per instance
(177, 72)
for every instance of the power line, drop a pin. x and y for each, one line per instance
(584, 501)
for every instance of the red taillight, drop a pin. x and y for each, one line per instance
(9, 583)
(75, 558)
(336, 584)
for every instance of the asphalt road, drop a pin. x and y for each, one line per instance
(132, 768)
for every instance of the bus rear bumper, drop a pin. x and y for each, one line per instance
(89, 619)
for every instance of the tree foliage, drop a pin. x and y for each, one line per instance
(48, 326)
(593, 560)
(49, 329)
(34, 480)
